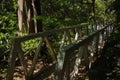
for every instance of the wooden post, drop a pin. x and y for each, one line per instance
(95, 45)
(101, 38)
(77, 34)
(79, 56)
(60, 60)
(21, 56)
(11, 61)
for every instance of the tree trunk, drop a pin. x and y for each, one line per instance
(29, 14)
(28, 10)
(20, 16)
(38, 11)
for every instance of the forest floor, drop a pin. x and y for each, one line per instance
(19, 72)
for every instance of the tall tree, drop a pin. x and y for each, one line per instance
(38, 11)
(28, 10)
(20, 16)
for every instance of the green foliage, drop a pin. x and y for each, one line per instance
(54, 14)
(114, 9)
(31, 44)
(8, 27)
(62, 13)
(8, 22)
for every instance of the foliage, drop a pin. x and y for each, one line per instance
(31, 44)
(8, 30)
(54, 14)
(114, 8)
(64, 12)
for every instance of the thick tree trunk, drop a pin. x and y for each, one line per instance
(29, 14)
(28, 10)
(34, 10)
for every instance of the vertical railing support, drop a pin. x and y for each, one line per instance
(12, 60)
(22, 60)
(95, 45)
(60, 60)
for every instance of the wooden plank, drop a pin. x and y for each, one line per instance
(22, 60)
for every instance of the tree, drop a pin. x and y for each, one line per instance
(28, 10)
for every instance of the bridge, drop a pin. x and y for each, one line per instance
(76, 49)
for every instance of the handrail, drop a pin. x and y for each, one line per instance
(81, 41)
(71, 38)
(17, 52)
(47, 33)
(81, 49)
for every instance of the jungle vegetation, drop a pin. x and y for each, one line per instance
(24, 17)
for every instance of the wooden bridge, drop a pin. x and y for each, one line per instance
(76, 49)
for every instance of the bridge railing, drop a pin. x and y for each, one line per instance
(70, 42)
(78, 56)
